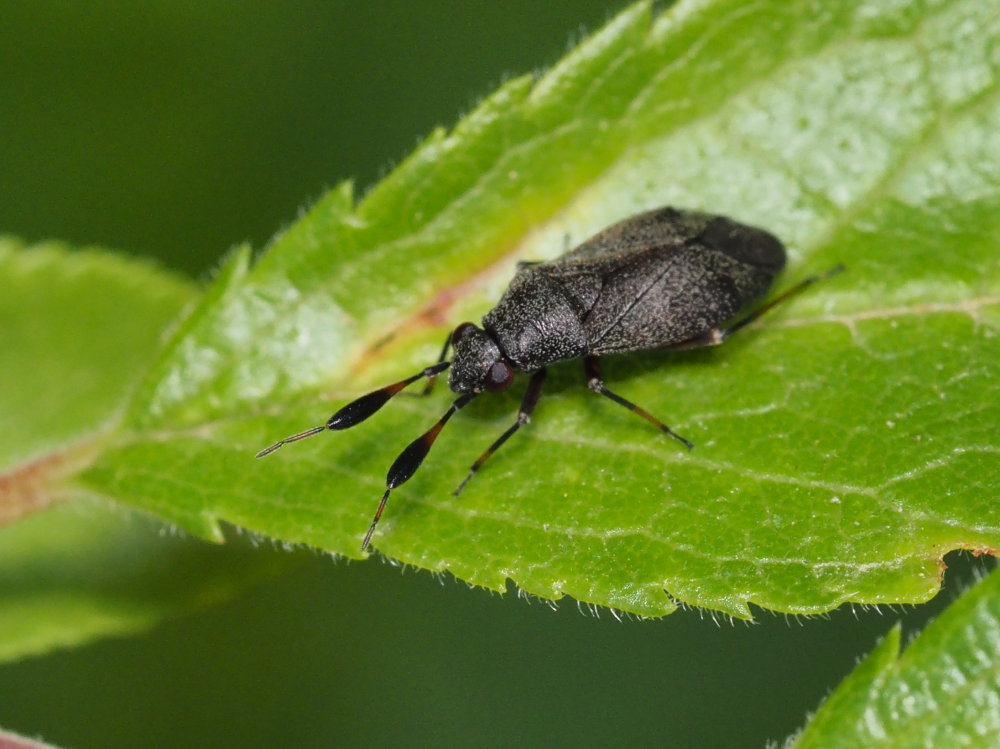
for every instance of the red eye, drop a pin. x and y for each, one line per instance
(499, 378)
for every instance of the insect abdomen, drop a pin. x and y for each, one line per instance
(671, 298)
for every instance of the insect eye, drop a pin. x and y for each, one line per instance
(460, 331)
(499, 378)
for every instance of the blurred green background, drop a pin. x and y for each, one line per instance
(177, 129)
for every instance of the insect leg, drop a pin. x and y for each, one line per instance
(433, 378)
(785, 296)
(410, 459)
(717, 335)
(528, 403)
(592, 369)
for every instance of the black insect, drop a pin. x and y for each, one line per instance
(662, 279)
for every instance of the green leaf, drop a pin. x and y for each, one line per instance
(83, 570)
(15, 741)
(78, 329)
(941, 691)
(843, 445)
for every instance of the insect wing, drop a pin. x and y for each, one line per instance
(669, 296)
(664, 277)
(662, 228)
